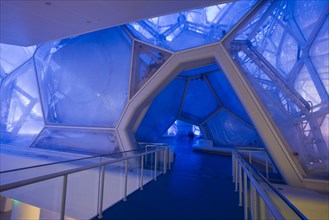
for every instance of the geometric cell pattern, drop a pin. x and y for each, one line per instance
(146, 61)
(208, 101)
(83, 81)
(11, 57)
(227, 96)
(21, 113)
(188, 29)
(162, 112)
(225, 129)
(199, 101)
(66, 95)
(75, 90)
(283, 51)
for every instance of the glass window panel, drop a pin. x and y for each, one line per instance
(85, 79)
(146, 61)
(227, 95)
(82, 141)
(162, 112)
(227, 130)
(12, 56)
(199, 101)
(21, 113)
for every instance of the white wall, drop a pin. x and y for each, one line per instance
(82, 191)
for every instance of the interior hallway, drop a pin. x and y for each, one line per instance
(199, 186)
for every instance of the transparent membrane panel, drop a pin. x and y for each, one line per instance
(81, 141)
(193, 28)
(146, 61)
(162, 112)
(182, 128)
(84, 80)
(283, 51)
(11, 57)
(319, 53)
(21, 113)
(225, 129)
(227, 96)
(199, 101)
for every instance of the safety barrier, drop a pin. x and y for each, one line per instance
(259, 198)
(136, 157)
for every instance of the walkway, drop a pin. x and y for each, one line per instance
(199, 187)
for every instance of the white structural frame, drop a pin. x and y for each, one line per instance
(265, 126)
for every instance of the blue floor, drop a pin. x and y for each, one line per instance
(199, 186)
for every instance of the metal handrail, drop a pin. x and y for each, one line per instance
(256, 179)
(65, 174)
(73, 160)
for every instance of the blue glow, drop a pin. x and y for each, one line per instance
(162, 113)
(284, 52)
(199, 101)
(226, 129)
(181, 128)
(21, 114)
(188, 29)
(89, 72)
(12, 57)
(146, 61)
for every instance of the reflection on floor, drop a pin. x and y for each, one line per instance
(199, 186)
(20, 210)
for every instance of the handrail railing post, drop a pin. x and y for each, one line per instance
(240, 185)
(155, 165)
(164, 161)
(169, 163)
(142, 173)
(236, 166)
(126, 181)
(266, 165)
(63, 197)
(253, 195)
(101, 193)
(233, 174)
(245, 195)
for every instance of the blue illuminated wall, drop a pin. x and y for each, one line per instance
(193, 28)
(66, 95)
(75, 90)
(283, 50)
(203, 97)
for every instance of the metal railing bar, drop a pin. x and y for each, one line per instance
(126, 181)
(271, 206)
(142, 173)
(62, 215)
(101, 193)
(67, 172)
(73, 160)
